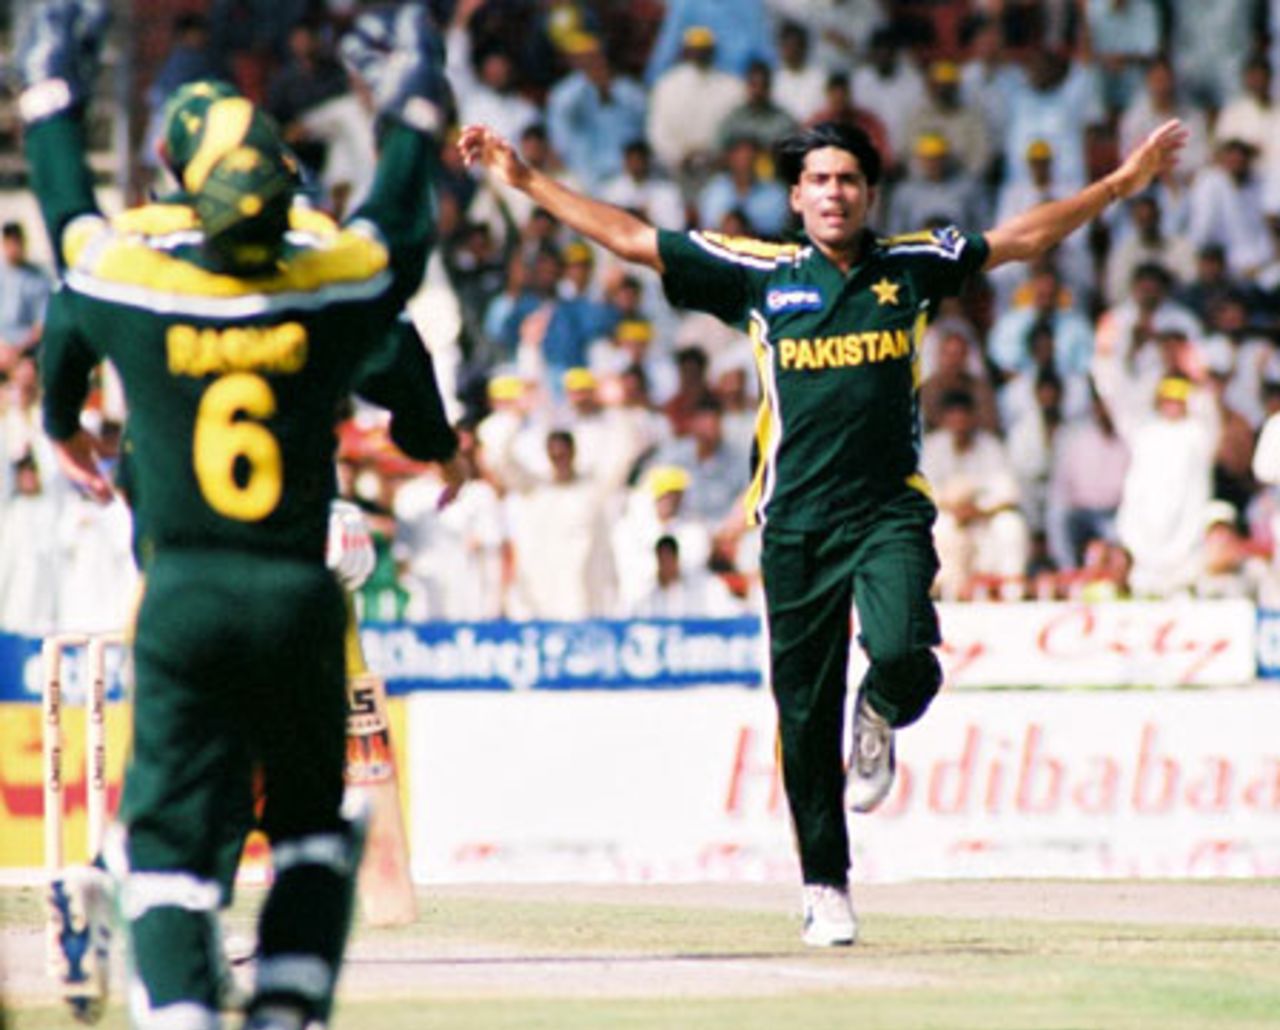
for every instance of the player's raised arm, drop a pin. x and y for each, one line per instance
(399, 56)
(619, 231)
(1033, 232)
(56, 56)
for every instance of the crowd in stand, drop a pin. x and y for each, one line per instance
(1099, 425)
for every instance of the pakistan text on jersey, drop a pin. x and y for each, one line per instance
(201, 352)
(844, 351)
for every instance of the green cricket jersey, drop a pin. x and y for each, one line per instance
(838, 430)
(232, 382)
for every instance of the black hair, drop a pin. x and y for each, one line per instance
(958, 398)
(563, 436)
(13, 231)
(1152, 270)
(692, 353)
(790, 151)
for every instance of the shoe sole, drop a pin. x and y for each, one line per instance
(830, 942)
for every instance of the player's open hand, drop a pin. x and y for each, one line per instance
(78, 458)
(1154, 156)
(480, 145)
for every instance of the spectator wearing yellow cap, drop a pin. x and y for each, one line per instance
(600, 457)
(941, 112)
(1172, 433)
(686, 106)
(1055, 101)
(655, 507)
(632, 344)
(718, 469)
(1038, 182)
(592, 114)
(936, 191)
(737, 32)
(512, 435)
(1167, 489)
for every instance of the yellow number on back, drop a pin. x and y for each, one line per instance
(226, 436)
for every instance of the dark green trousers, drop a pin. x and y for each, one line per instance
(811, 581)
(238, 661)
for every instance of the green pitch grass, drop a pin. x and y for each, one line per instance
(475, 960)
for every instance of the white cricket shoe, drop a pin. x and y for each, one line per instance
(828, 916)
(80, 906)
(872, 763)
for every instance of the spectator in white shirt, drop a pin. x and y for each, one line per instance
(686, 106)
(640, 188)
(1249, 115)
(1210, 42)
(1225, 207)
(1132, 327)
(684, 593)
(1166, 492)
(1039, 185)
(1154, 105)
(889, 84)
(1147, 242)
(1056, 103)
(654, 509)
(980, 530)
(489, 97)
(1123, 35)
(799, 84)
(451, 554)
(563, 566)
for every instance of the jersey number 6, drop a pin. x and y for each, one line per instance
(237, 460)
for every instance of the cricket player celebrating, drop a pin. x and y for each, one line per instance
(836, 321)
(234, 350)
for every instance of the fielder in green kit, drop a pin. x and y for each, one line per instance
(234, 349)
(836, 321)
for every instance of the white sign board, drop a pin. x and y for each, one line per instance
(683, 785)
(1161, 644)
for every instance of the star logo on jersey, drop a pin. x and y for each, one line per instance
(886, 292)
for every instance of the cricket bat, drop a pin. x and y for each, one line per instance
(385, 887)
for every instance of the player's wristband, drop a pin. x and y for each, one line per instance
(44, 100)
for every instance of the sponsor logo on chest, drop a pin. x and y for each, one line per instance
(793, 298)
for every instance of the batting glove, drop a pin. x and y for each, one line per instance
(399, 53)
(56, 56)
(349, 551)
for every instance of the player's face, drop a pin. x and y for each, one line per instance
(832, 197)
